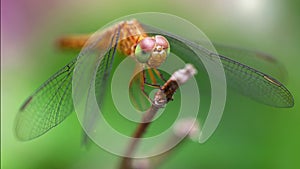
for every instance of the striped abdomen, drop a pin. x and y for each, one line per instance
(131, 33)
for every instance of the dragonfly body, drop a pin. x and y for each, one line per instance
(50, 104)
(131, 35)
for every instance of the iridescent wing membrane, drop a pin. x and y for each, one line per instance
(254, 59)
(52, 102)
(242, 78)
(105, 64)
(47, 106)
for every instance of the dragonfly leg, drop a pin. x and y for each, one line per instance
(143, 82)
(150, 84)
(160, 75)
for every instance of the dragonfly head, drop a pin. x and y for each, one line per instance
(152, 51)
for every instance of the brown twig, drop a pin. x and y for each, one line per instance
(141, 129)
(161, 98)
(187, 128)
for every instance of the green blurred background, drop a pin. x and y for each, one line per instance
(250, 135)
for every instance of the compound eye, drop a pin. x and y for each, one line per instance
(144, 49)
(160, 52)
(163, 43)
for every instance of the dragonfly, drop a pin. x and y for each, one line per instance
(52, 102)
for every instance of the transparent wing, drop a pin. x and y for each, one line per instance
(47, 106)
(52, 102)
(137, 97)
(257, 60)
(242, 78)
(104, 69)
